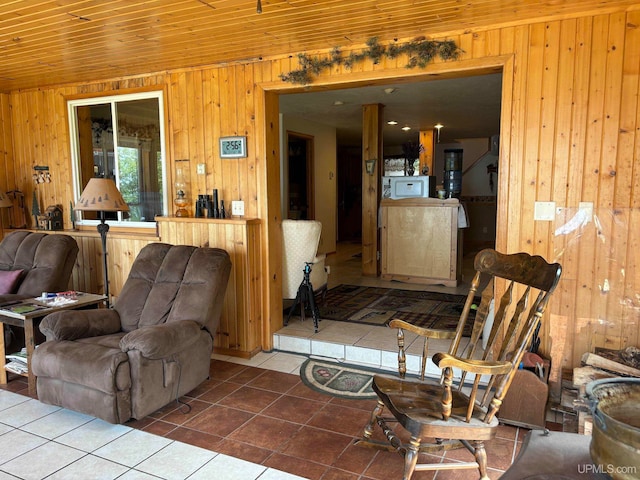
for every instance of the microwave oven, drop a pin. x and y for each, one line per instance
(410, 187)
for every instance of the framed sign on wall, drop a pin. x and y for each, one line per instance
(233, 147)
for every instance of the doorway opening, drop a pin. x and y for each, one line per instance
(467, 103)
(349, 163)
(300, 184)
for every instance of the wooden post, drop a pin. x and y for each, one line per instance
(428, 153)
(371, 150)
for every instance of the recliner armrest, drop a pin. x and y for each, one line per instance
(161, 341)
(75, 324)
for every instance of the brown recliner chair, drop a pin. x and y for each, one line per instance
(153, 347)
(46, 261)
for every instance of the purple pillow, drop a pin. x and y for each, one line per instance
(9, 281)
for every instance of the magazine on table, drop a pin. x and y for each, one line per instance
(22, 307)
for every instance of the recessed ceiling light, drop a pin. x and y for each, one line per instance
(389, 90)
(392, 122)
(337, 103)
(406, 128)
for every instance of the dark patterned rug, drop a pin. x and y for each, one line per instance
(377, 306)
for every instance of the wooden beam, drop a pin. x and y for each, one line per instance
(428, 152)
(371, 150)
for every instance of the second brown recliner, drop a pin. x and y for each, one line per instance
(153, 347)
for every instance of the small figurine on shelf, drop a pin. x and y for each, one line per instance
(223, 214)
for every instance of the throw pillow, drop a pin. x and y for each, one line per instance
(9, 281)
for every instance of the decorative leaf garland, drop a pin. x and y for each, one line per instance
(420, 52)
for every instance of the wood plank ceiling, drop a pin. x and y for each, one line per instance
(47, 42)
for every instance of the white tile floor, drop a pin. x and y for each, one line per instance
(39, 441)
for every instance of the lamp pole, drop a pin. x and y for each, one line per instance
(103, 228)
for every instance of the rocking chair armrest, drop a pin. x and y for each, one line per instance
(424, 332)
(482, 367)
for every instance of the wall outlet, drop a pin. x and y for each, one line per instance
(201, 169)
(237, 208)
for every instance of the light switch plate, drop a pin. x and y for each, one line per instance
(237, 208)
(201, 169)
(545, 211)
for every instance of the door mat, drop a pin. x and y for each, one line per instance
(338, 380)
(378, 306)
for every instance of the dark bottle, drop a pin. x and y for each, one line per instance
(223, 214)
(216, 211)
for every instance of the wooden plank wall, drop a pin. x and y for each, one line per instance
(240, 329)
(570, 134)
(6, 153)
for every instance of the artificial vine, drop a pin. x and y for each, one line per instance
(420, 52)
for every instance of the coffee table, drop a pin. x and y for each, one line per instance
(25, 314)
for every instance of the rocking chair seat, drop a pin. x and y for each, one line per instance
(417, 406)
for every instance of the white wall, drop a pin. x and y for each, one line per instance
(324, 162)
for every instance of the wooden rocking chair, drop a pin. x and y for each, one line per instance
(451, 414)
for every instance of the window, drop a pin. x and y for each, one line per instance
(121, 137)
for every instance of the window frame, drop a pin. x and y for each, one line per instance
(112, 100)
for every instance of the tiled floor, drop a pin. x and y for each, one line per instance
(253, 419)
(39, 441)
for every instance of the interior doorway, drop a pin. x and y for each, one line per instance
(300, 190)
(349, 163)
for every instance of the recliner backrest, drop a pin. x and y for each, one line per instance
(47, 260)
(174, 282)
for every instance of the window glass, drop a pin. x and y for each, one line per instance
(121, 137)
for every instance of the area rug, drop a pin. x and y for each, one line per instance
(378, 306)
(338, 380)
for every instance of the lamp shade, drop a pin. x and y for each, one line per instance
(5, 201)
(101, 195)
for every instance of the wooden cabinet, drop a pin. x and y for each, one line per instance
(419, 240)
(240, 329)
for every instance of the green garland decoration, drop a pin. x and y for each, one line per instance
(420, 52)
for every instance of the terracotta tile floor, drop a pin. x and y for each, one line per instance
(272, 418)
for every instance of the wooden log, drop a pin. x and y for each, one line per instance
(610, 365)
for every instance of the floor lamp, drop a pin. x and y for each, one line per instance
(101, 195)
